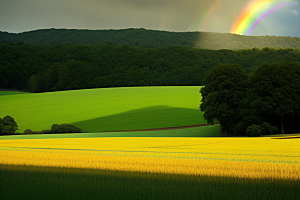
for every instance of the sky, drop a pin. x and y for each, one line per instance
(170, 15)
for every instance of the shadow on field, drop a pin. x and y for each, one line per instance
(293, 137)
(10, 92)
(28, 182)
(145, 118)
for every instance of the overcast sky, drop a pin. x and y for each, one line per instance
(170, 15)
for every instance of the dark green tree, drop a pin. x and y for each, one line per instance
(254, 130)
(64, 128)
(274, 94)
(224, 88)
(8, 125)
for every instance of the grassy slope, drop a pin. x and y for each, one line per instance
(107, 109)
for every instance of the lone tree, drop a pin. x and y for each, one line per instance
(274, 94)
(224, 88)
(8, 125)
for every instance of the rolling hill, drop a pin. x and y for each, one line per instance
(106, 109)
(150, 38)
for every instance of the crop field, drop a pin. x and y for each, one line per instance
(151, 168)
(105, 109)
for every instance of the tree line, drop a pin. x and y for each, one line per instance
(150, 38)
(8, 126)
(266, 102)
(43, 68)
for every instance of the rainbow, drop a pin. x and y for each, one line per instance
(254, 12)
(211, 11)
(209, 6)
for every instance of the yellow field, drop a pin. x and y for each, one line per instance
(233, 157)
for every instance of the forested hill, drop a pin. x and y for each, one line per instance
(150, 38)
(51, 67)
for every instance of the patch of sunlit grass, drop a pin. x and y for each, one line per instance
(106, 109)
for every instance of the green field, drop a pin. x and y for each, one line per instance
(106, 109)
(203, 131)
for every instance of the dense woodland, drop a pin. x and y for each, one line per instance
(150, 38)
(266, 102)
(41, 67)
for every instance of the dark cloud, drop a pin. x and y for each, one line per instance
(171, 15)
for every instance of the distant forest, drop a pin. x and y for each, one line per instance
(52, 67)
(150, 38)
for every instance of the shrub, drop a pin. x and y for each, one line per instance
(255, 130)
(37, 132)
(28, 131)
(65, 128)
(55, 128)
(268, 128)
(46, 132)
